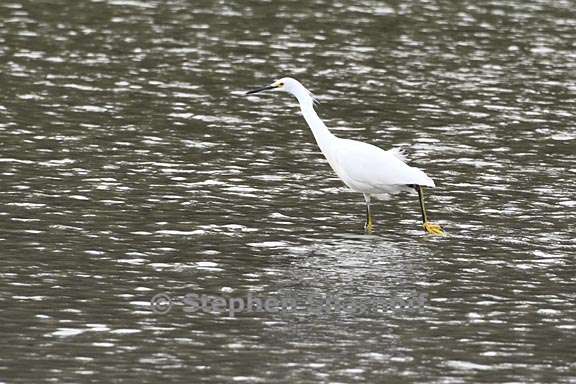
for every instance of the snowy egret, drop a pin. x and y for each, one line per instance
(363, 167)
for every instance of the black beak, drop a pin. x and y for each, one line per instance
(260, 89)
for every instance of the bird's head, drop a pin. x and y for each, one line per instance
(289, 85)
(286, 84)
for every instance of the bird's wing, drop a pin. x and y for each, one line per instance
(369, 165)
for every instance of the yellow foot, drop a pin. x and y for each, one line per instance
(369, 227)
(433, 229)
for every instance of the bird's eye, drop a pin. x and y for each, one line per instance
(280, 84)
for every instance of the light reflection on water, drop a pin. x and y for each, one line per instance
(131, 165)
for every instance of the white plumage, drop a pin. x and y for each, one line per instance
(363, 167)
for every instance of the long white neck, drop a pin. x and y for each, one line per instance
(321, 133)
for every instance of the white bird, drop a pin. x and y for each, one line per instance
(363, 167)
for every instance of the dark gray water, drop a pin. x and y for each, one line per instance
(131, 166)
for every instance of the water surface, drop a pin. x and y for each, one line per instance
(131, 166)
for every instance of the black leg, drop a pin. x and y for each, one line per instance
(420, 191)
(433, 229)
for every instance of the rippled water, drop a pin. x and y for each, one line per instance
(131, 166)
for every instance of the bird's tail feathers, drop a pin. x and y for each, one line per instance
(418, 177)
(426, 180)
